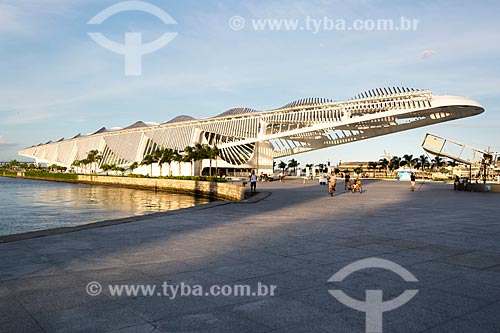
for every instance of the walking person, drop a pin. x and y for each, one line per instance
(347, 179)
(412, 182)
(253, 182)
(332, 180)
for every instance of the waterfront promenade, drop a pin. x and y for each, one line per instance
(295, 237)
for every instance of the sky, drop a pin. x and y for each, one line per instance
(55, 81)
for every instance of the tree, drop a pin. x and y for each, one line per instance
(158, 155)
(85, 162)
(178, 158)
(189, 156)
(415, 161)
(132, 167)
(164, 155)
(424, 161)
(309, 167)
(168, 157)
(372, 165)
(93, 157)
(76, 163)
(384, 163)
(359, 170)
(282, 165)
(407, 160)
(118, 168)
(322, 168)
(149, 159)
(107, 167)
(213, 153)
(394, 163)
(200, 153)
(438, 162)
(293, 164)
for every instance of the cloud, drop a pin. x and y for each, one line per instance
(1, 138)
(426, 54)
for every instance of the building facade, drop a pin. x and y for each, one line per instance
(250, 139)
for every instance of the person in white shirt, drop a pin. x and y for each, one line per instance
(253, 182)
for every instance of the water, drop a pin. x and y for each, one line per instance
(29, 205)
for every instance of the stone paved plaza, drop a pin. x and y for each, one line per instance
(296, 238)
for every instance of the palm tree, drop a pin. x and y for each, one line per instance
(213, 153)
(438, 162)
(131, 167)
(189, 156)
(414, 161)
(407, 160)
(107, 167)
(309, 167)
(76, 163)
(201, 154)
(93, 157)
(372, 166)
(321, 167)
(384, 163)
(158, 155)
(394, 163)
(282, 166)
(149, 159)
(293, 164)
(164, 155)
(168, 157)
(178, 158)
(85, 162)
(424, 161)
(118, 168)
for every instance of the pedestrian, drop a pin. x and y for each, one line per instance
(253, 182)
(331, 184)
(412, 181)
(456, 183)
(347, 179)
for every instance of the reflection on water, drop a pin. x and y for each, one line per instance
(28, 205)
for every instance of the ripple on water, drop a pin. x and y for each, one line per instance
(30, 205)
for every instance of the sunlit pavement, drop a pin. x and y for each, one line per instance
(296, 238)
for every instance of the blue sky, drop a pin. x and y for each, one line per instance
(56, 82)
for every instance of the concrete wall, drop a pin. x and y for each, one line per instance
(218, 190)
(222, 191)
